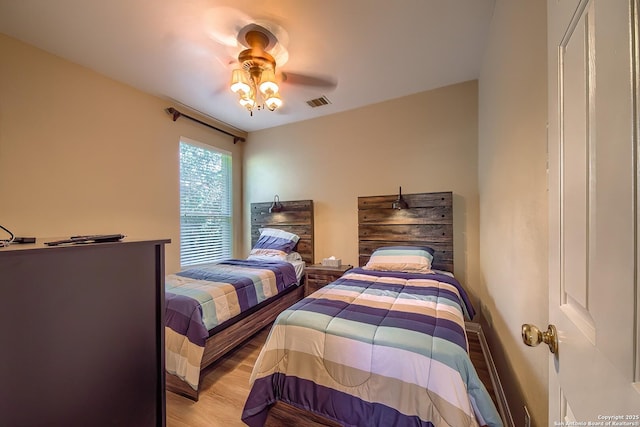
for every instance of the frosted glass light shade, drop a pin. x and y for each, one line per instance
(268, 82)
(247, 102)
(274, 101)
(239, 81)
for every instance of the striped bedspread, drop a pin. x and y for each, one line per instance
(199, 299)
(374, 349)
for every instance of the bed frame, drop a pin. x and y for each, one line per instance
(428, 221)
(295, 217)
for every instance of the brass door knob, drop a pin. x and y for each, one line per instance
(532, 336)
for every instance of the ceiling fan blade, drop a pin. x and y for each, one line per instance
(220, 90)
(309, 80)
(223, 23)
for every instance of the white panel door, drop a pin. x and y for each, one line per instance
(593, 129)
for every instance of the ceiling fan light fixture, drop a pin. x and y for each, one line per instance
(273, 101)
(256, 75)
(240, 82)
(268, 83)
(247, 101)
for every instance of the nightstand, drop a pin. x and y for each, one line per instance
(317, 275)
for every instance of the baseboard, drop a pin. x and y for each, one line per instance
(503, 407)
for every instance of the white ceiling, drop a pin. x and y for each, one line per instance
(371, 50)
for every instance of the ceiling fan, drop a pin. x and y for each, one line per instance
(254, 75)
(257, 69)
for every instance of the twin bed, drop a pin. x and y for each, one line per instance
(386, 343)
(205, 319)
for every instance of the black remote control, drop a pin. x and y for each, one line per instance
(97, 238)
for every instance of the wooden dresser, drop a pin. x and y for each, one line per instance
(317, 275)
(82, 334)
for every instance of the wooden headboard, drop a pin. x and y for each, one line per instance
(427, 222)
(296, 217)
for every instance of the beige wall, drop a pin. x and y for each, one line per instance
(83, 154)
(513, 199)
(425, 142)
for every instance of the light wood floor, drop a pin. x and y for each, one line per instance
(226, 386)
(223, 392)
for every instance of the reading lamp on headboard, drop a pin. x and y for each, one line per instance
(400, 203)
(276, 206)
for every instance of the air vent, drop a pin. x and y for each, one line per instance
(318, 102)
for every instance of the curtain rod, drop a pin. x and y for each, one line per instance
(175, 114)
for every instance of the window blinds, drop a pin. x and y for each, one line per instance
(205, 204)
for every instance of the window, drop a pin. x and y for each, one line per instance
(205, 204)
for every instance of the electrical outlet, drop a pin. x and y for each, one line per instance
(527, 417)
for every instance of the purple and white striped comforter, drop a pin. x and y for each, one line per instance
(200, 298)
(374, 349)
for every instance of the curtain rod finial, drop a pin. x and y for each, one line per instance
(174, 113)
